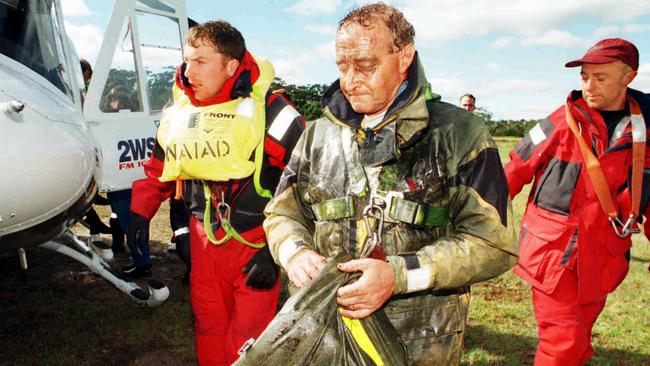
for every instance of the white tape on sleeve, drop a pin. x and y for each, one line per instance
(282, 121)
(287, 250)
(537, 135)
(418, 279)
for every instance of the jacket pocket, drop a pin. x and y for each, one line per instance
(535, 250)
(545, 250)
(431, 325)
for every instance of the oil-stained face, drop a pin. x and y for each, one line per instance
(371, 70)
(604, 86)
(207, 69)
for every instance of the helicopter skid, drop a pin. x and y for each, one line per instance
(156, 294)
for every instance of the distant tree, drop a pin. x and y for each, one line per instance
(511, 128)
(484, 113)
(305, 97)
(125, 81)
(160, 87)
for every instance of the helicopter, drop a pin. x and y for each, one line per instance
(61, 144)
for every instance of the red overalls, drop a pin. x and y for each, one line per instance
(227, 312)
(569, 253)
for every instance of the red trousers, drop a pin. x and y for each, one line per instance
(564, 326)
(227, 312)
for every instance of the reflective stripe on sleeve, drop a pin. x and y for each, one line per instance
(287, 250)
(418, 279)
(537, 135)
(282, 122)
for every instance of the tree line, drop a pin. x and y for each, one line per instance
(515, 128)
(306, 98)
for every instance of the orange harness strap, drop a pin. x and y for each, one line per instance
(597, 177)
(179, 189)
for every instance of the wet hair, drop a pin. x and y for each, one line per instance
(402, 31)
(468, 95)
(224, 37)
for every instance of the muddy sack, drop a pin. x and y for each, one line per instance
(309, 330)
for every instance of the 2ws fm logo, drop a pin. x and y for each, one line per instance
(134, 152)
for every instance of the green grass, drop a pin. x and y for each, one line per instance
(55, 314)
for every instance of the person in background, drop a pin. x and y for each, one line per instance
(95, 225)
(468, 102)
(86, 71)
(588, 162)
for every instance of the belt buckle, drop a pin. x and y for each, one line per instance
(389, 204)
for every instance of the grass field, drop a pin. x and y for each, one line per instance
(58, 314)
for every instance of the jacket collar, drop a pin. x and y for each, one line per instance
(239, 85)
(592, 117)
(409, 109)
(575, 98)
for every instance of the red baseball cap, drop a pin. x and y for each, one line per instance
(610, 50)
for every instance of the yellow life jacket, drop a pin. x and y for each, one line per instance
(215, 142)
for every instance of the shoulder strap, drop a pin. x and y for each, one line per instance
(597, 177)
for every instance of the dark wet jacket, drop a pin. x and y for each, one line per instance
(448, 216)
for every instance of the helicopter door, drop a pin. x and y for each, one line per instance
(132, 83)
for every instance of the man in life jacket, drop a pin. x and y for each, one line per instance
(588, 162)
(410, 186)
(225, 141)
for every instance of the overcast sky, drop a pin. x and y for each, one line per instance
(509, 53)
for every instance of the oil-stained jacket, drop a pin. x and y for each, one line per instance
(564, 227)
(448, 218)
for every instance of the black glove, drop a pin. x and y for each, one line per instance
(138, 230)
(262, 270)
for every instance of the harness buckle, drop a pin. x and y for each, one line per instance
(223, 209)
(374, 209)
(626, 229)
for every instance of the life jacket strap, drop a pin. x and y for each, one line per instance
(223, 212)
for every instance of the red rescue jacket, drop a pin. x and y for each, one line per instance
(246, 205)
(564, 227)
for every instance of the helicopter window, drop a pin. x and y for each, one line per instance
(31, 35)
(122, 90)
(160, 45)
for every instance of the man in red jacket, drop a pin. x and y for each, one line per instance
(575, 234)
(226, 140)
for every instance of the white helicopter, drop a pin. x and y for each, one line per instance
(59, 148)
